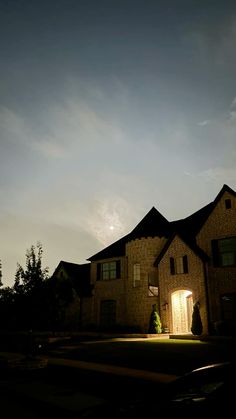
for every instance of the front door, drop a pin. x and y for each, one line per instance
(182, 308)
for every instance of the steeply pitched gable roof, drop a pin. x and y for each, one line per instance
(73, 269)
(190, 243)
(188, 228)
(78, 273)
(192, 224)
(224, 189)
(152, 225)
(155, 225)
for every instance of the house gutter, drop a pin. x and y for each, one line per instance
(207, 295)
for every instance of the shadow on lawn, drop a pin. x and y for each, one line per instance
(168, 356)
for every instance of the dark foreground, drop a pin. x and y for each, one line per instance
(122, 380)
(68, 393)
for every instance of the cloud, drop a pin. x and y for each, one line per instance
(61, 129)
(221, 175)
(204, 123)
(233, 104)
(109, 210)
(232, 111)
(13, 127)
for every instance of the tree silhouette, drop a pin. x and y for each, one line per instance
(29, 289)
(196, 327)
(1, 284)
(33, 275)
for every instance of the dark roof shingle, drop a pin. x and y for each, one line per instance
(153, 224)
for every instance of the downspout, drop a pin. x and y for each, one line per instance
(207, 296)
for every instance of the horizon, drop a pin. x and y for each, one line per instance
(106, 110)
(87, 260)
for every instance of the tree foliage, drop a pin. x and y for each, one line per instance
(31, 278)
(1, 284)
(60, 294)
(196, 327)
(29, 289)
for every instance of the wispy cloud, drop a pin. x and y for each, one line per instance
(72, 125)
(232, 110)
(204, 123)
(233, 104)
(220, 175)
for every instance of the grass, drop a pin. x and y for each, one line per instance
(173, 356)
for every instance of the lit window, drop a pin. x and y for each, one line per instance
(179, 265)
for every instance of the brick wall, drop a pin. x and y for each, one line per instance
(220, 224)
(113, 289)
(139, 303)
(134, 305)
(192, 281)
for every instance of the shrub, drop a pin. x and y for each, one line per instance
(155, 321)
(196, 327)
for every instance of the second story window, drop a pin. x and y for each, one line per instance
(224, 252)
(108, 270)
(179, 265)
(153, 284)
(136, 275)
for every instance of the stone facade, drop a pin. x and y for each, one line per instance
(193, 281)
(220, 280)
(174, 270)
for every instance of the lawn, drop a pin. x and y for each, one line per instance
(174, 356)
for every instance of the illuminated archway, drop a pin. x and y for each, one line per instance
(182, 307)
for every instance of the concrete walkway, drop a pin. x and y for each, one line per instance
(61, 395)
(113, 369)
(20, 362)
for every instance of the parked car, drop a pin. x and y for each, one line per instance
(210, 388)
(206, 390)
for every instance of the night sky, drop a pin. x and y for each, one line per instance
(108, 108)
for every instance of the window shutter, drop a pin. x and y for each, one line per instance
(118, 269)
(215, 252)
(98, 271)
(172, 266)
(185, 264)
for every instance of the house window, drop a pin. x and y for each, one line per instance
(228, 314)
(228, 203)
(153, 284)
(136, 275)
(108, 270)
(152, 291)
(224, 252)
(179, 265)
(107, 313)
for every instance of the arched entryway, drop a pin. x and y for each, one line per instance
(182, 308)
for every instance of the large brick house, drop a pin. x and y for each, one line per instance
(172, 264)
